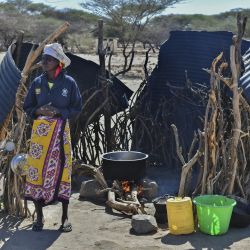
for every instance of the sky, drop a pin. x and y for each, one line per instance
(206, 7)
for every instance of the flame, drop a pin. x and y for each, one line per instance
(126, 186)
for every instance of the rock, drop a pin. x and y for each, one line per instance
(91, 189)
(143, 223)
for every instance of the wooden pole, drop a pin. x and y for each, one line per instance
(104, 86)
(235, 60)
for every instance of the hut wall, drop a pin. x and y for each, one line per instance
(10, 76)
(189, 51)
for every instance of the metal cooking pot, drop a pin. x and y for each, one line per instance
(160, 204)
(124, 165)
(18, 163)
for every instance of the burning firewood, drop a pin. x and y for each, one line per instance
(121, 206)
(127, 202)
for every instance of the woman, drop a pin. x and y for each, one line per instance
(52, 99)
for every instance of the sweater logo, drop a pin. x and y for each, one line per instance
(65, 92)
(38, 91)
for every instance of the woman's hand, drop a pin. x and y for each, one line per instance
(47, 110)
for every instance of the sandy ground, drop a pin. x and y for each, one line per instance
(97, 227)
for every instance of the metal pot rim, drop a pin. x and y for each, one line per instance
(114, 152)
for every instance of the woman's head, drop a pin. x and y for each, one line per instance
(54, 58)
(49, 63)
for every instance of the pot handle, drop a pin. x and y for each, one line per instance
(168, 196)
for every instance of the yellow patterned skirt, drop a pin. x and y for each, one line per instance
(49, 162)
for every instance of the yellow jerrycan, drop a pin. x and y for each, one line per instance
(180, 215)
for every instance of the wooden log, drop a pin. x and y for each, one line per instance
(227, 82)
(237, 121)
(119, 206)
(177, 142)
(89, 170)
(235, 63)
(134, 197)
(105, 87)
(186, 166)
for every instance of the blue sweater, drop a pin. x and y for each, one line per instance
(64, 95)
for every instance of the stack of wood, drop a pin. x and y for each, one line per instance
(224, 143)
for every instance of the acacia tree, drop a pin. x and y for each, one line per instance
(127, 19)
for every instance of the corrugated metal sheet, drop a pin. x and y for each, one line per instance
(189, 51)
(245, 79)
(10, 77)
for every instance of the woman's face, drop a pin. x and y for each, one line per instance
(49, 63)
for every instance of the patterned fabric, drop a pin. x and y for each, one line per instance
(49, 163)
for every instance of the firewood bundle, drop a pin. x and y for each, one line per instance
(223, 158)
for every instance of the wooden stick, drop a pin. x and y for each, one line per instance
(205, 167)
(177, 143)
(119, 206)
(237, 120)
(187, 167)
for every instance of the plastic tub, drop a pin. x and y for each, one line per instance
(214, 213)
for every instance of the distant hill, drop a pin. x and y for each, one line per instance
(160, 26)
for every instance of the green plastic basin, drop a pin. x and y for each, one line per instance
(214, 213)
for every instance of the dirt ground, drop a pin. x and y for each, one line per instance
(97, 227)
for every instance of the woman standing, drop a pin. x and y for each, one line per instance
(52, 99)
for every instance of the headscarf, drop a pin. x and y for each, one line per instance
(55, 50)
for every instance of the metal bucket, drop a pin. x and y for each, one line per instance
(124, 165)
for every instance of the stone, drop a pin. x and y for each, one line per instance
(143, 223)
(91, 189)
